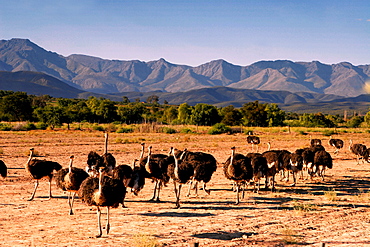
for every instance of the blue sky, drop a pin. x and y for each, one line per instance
(195, 32)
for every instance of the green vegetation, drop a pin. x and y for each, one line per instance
(45, 112)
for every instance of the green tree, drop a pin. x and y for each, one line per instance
(184, 113)
(355, 122)
(132, 113)
(275, 115)
(204, 114)
(16, 107)
(231, 116)
(169, 114)
(315, 120)
(51, 115)
(254, 114)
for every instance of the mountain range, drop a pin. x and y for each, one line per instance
(296, 87)
(102, 76)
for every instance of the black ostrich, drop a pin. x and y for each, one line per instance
(181, 173)
(314, 142)
(284, 164)
(307, 161)
(94, 160)
(102, 192)
(133, 178)
(69, 179)
(358, 149)
(39, 169)
(260, 168)
(295, 166)
(239, 169)
(322, 160)
(253, 140)
(272, 159)
(3, 169)
(204, 166)
(156, 169)
(336, 143)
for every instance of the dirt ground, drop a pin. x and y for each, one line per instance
(313, 213)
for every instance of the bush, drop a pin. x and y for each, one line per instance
(186, 131)
(98, 128)
(219, 128)
(168, 130)
(5, 127)
(41, 126)
(124, 130)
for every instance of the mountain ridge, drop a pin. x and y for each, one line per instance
(98, 75)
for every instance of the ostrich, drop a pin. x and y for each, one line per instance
(336, 143)
(239, 169)
(39, 169)
(102, 192)
(358, 150)
(3, 169)
(181, 173)
(156, 169)
(254, 140)
(272, 159)
(296, 165)
(314, 142)
(69, 179)
(133, 178)
(307, 161)
(259, 166)
(94, 160)
(204, 166)
(322, 160)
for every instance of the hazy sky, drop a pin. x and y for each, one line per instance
(194, 32)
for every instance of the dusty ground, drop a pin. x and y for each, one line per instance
(334, 212)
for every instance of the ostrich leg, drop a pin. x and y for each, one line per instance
(34, 190)
(50, 195)
(99, 222)
(108, 225)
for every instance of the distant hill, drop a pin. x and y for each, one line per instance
(98, 75)
(37, 83)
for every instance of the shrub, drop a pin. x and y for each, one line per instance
(124, 130)
(41, 126)
(98, 128)
(168, 130)
(219, 128)
(5, 127)
(186, 131)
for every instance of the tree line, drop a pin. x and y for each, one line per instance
(19, 106)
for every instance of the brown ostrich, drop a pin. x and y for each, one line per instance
(181, 173)
(39, 169)
(69, 179)
(94, 160)
(3, 169)
(102, 192)
(238, 168)
(336, 143)
(156, 169)
(204, 165)
(253, 140)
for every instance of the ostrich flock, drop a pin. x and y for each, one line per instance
(105, 184)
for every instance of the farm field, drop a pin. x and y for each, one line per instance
(335, 212)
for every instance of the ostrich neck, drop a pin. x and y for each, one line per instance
(176, 169)
(70, 166)
(229, 168)
(147, 167)
(106, 144)
(29, 158)
(142, 152)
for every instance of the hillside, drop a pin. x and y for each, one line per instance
(115, 76)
